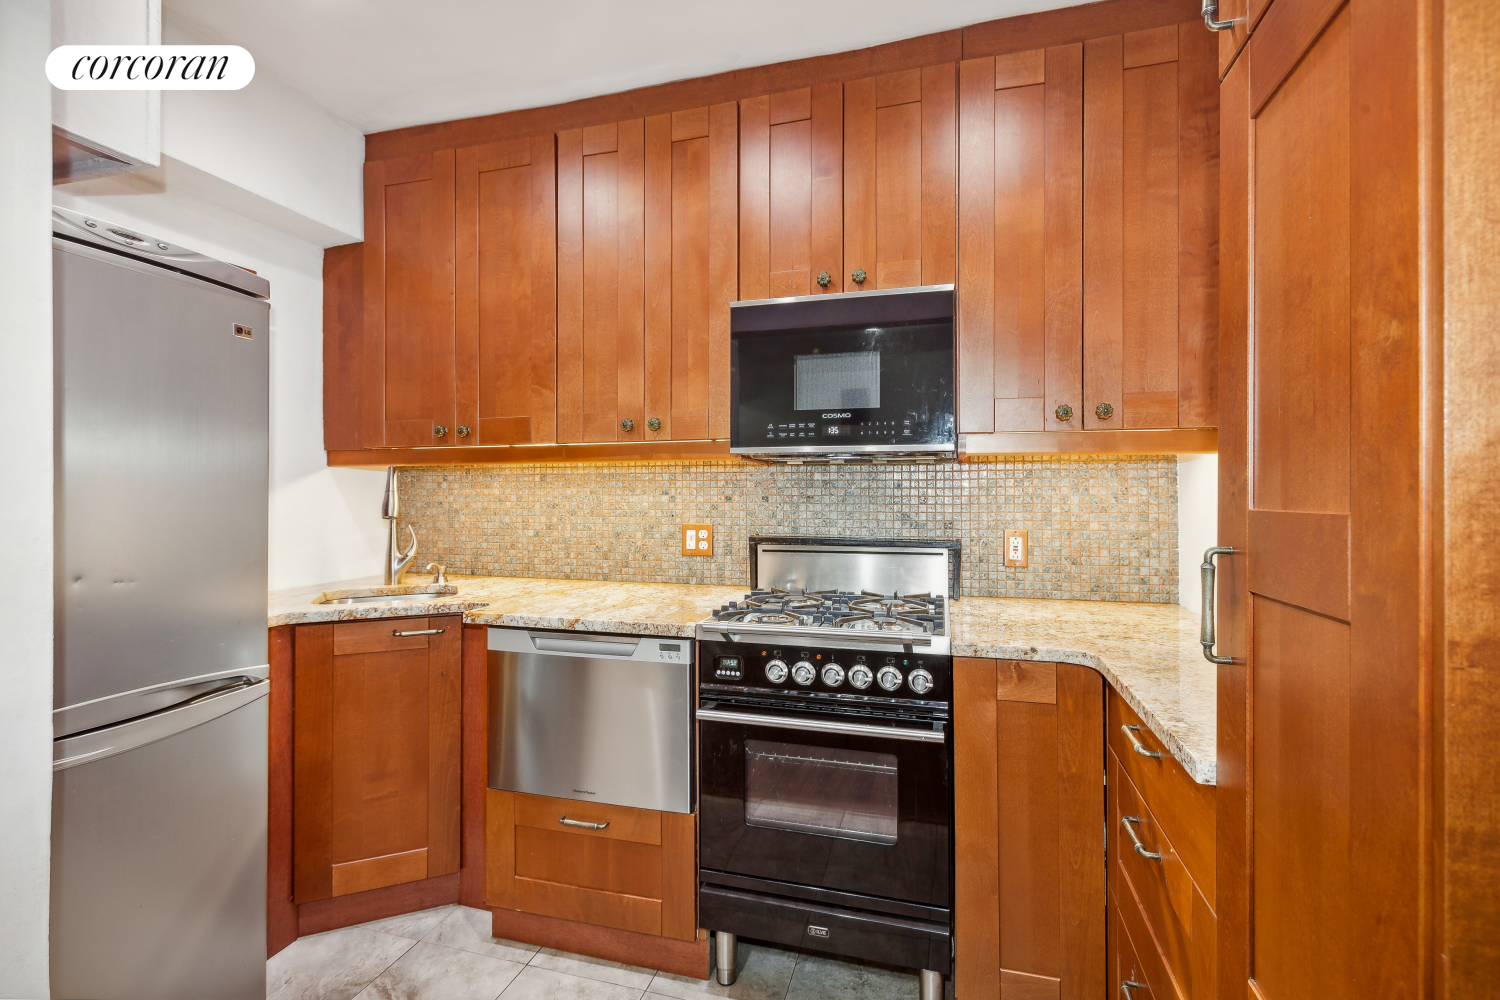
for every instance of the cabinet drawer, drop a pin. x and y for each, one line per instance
(384, 635)
(1180, 921)
(1184, 807)
(1125, 966)
(590, 862)
(641, 826)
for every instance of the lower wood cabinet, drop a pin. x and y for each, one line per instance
(1029, 903)
(1163, 925)
(376, 743)
(637, 872)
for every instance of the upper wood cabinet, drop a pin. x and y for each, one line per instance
(376, 734)
(506, 371)
(899, 151)
(791, 193)
(409, 346)
(1088, 235)
(647, 261)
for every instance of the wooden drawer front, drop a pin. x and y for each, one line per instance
(591, 862)
(1185, 808)
(379, 635)
(1180, 920)
(1124, 966)
(641, 826)
(373, 873)
(588, 906)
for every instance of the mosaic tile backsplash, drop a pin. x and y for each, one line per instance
(1100, 528)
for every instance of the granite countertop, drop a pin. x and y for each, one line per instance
(1148, 652)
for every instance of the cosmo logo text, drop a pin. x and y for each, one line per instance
(150, 67)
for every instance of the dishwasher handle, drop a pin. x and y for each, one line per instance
(601, 646)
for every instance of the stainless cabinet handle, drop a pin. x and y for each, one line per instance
(1128, 986)
(421, 631)
(582, 824)
(1211, 17)
(1135, 742)
(1140, 848)
(822, 726)
(1206, 634)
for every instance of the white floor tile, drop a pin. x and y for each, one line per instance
(334, 965)
(432, 972)
(469, 930)
(764, 974)
(412, 925)
(544, 984)
(593, 968)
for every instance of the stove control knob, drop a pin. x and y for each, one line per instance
(889, 678)
(833, 675)
(919, 681)
(803, 672)
(860, 676)
(776, 672)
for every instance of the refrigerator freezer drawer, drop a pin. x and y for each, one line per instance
(159, 867)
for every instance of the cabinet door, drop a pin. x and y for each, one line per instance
(507, 293)
(408, 289)
(899, 149)
(791, 193)
(1150, 237)
(1324, 725)
(1020, 218)
(692, 264)
(1028, 821)
(376, 730)
(601, 295)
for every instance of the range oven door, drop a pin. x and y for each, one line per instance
(825, 801)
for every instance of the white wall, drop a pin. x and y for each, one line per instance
(325, 523)
(1197, 522)
(266, 152)
(125, 121)
(25, 498)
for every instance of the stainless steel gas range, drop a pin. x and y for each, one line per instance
(825, 755)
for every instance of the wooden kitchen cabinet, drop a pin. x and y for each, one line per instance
(899, 178)
(639, 873)
(1165, 903)
(647, 267)
(792, 193)
(1029, 913)
(376, 745)
(506, 286)
(409, 384)
(1088, 229)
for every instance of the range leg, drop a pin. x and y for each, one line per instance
(932, 985)
(725, 953)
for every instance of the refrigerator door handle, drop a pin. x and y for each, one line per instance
(97, 744)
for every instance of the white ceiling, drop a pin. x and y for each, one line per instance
(383, 64)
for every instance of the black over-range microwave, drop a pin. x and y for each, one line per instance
(860, 375)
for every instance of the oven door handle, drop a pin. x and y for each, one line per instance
(822, 726)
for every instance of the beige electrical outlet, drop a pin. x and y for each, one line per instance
(1017, 550)
(697, 539)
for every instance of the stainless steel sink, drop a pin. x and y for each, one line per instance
(386, 595)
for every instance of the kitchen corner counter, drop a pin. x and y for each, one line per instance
(582, 605)
(1147, 652)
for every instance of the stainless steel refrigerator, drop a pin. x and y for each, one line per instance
(159, 752)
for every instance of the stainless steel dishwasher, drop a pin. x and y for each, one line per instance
(598, 718)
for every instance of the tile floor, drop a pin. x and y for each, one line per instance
(447, 953)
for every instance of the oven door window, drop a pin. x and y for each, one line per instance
(848, 794)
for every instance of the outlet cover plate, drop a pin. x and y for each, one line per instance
(1017, 548)
(697, 539)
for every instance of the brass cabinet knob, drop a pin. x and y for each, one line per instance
(439, 430)
(1104, 411)
(654, 424)
(859, 276)
(627, 425)
(1064, 412)
(824, 279)
(463, 431)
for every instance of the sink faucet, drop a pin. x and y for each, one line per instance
(396, 561)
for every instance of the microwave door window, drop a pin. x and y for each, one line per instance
(846, 794)
(847, 380)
